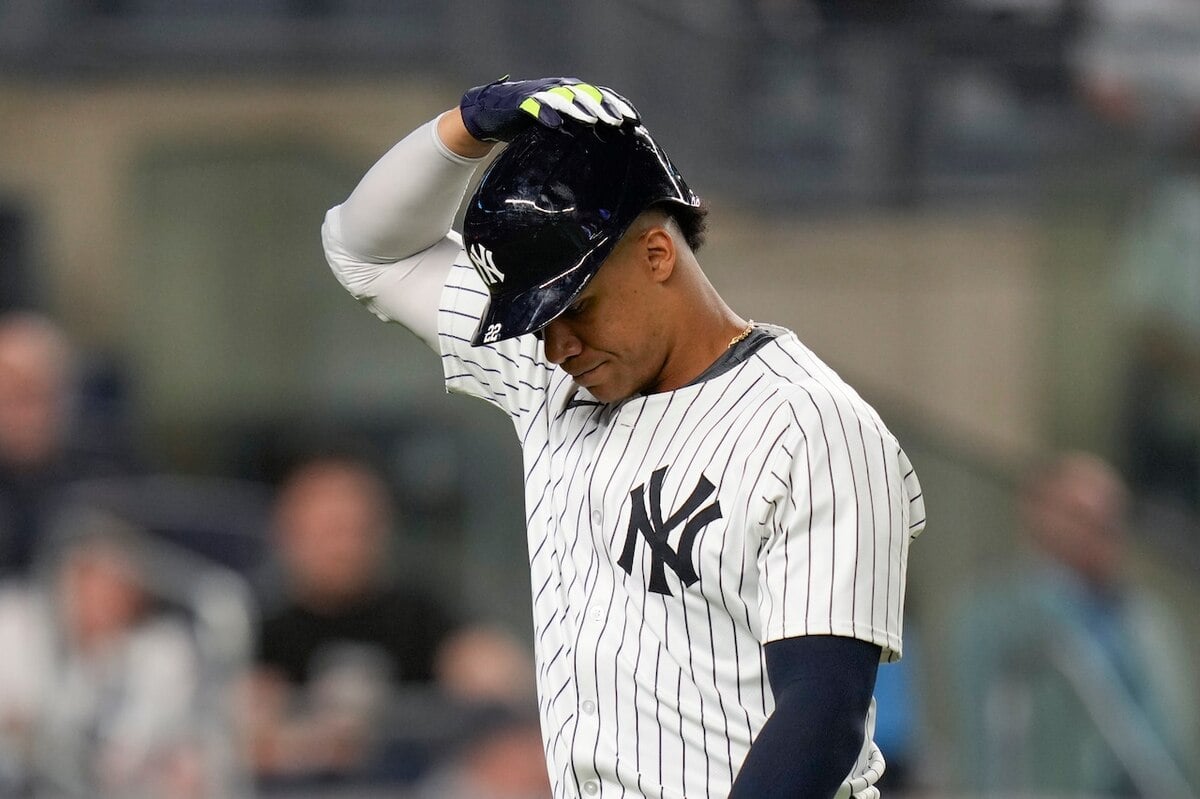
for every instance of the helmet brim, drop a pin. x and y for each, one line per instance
(524, 312)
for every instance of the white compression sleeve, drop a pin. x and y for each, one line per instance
(389, 244)
(407, 200)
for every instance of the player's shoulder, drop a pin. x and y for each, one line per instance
(791, 372)
(794, 378)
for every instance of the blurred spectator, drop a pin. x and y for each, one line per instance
(1139, 68)
(345, 635)
(1071, 679)
(502, 758)
(98, 690)
(482, 665)
(1138, 63)
(37, 456)
(490, 675)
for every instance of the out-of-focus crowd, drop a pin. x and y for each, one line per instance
(139, 663)
(140, 659)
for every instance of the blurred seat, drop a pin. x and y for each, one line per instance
(223, 520)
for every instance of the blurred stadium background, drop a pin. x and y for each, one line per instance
(928, 192)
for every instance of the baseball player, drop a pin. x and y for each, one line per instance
(718, 526)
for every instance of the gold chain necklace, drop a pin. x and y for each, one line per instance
(741, 336)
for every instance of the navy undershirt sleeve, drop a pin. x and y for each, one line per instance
(822, 686)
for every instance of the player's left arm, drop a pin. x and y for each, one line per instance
(822, 686)
(831, 569)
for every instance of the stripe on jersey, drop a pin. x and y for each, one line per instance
(649, 694)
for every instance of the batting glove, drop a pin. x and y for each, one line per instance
(498, 111)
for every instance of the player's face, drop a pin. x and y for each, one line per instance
(612, 338)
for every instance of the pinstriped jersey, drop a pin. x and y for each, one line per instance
(672, 535)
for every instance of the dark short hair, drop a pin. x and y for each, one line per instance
(692, 221)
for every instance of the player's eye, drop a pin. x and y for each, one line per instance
(576, 308)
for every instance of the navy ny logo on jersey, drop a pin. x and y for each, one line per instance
(646, 518)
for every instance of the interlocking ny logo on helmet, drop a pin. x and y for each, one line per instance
(550, 209)
(485, 265)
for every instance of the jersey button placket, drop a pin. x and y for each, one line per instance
(587, 724)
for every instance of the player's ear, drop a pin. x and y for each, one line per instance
(659, 250)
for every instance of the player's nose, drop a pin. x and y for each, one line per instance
(561, 343)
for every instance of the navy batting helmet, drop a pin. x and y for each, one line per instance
(550, 209)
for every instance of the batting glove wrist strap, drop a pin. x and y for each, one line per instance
(499, 110)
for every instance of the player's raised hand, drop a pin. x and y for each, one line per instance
(499, 110)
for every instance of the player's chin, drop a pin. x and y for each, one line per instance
(596, 389)
(606, 390)
(607, 382)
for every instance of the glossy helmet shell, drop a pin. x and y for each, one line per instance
(550, 209)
